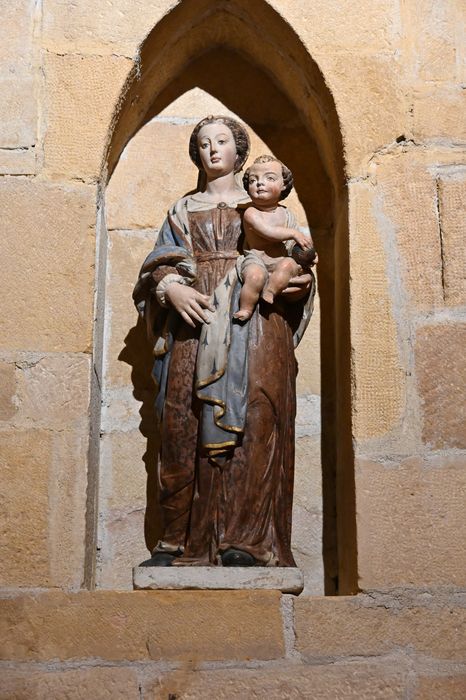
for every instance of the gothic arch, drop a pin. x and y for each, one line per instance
(248, 57)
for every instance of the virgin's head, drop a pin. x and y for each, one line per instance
(219, 146)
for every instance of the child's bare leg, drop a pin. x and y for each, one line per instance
(254, 280)
(279, 279)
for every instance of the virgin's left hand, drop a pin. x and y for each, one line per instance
(297, 288)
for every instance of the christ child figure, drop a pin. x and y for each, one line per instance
(275, 251)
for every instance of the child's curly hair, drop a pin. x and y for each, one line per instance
(286, 174)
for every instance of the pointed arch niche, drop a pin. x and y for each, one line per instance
(247, 57)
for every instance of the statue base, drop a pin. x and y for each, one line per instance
(223, 578)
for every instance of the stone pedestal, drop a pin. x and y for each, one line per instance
(285, 579)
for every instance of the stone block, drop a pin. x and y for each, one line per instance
(358, 681)
(8, 406)
(48, 265)
(142, 625)
(123, 482)
(194, 105)
(24, 457)
(154, 171)
(127, 349)
(18, 107)
(452, 213)
(308, 355)
(430, 34)
(356, 626)
(112, 27)
(338, 26)
(372, 116)
(410, 522)
(308, 474)
(273, 578)
(18, 112)
(67, 490)
(43, 506)
(440, 688)
(52, 391)
(438, 115)
(122, 547)
(440, 378)
(407, 208)
(20, 161)
(378, 390)
(72, 684)
(81, 94)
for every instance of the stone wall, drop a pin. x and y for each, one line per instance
(368, 100)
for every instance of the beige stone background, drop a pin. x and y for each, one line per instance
(378, 144)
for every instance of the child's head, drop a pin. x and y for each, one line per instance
(268, 179)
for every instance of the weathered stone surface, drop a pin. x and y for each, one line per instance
(452, 213)
(18, 108)
(67, 490)
(407, 208)
(143, 625)
(441, 688)
(43, 505)
(374, 119)
(308, 355)
(73, 684)
(308, 473)
(378, 395)
(356, 626)
(24, 457)
(122, 543)
(361, 681)
(20, 161)
(285, 579)
(113, 27)
(367, 26)
(123, 485)
(439, 115)
(410, 521)
(18, 112)
(431, 39)
(48, 245)
(440, 369)
(127, 346)
(52, 391)
(82, 93)
(195, 104)
(144, 184)
(8, 405)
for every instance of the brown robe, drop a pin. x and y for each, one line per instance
(247, 503)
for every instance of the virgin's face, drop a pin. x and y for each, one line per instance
(217, 149)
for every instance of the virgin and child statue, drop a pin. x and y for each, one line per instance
(226, 295)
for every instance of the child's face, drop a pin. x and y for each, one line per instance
(266, 182)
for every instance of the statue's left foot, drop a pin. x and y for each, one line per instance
(160, 559)
(236, 557)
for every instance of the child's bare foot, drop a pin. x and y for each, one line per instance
(243, 314)
(268, 296)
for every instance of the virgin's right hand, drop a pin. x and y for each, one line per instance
(189, 303)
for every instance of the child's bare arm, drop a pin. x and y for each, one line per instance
(273, 233)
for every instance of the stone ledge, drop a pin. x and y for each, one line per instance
(285, 579)
(142, 626)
